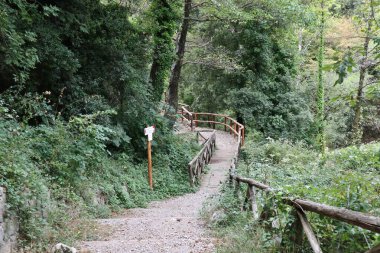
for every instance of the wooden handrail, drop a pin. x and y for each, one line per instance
(197, 165)
(359, 219)
(194, 118)
(187, 115)
(218, 123)
(219, 115)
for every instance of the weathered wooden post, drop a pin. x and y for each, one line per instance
(191, 175)
(242, 136)
(306, 227)
(149, 132)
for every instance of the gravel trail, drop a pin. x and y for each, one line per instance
(173, 225)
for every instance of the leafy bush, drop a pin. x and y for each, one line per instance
(348, 178)
(59, 174)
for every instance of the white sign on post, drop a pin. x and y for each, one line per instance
(149, 132)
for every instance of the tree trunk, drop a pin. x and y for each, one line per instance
(321, 87)
(177, 66)
(162, 52)
(356, 124)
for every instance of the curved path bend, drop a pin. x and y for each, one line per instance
(173, 225)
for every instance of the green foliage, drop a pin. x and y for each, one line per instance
(239, 233)
(295, 171)
(16, 56)
(164, 15)
(320, 120)
(253, 70)
(59, 173)
(86, 55)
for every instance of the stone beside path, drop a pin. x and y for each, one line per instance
(173, 225)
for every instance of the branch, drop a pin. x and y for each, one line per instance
(195, 6)
(201, 20)
(210, 64)
(198, 45)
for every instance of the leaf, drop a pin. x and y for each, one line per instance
(51, 10)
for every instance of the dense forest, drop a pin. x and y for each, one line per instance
(81, 79)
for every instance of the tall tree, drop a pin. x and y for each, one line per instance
(357, 131)
(164, 25)
(177, 66)
(321, 87)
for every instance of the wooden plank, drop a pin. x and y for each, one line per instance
(243, 136)
(359, 219)
(376, 249)
(191, 176)
(197, 165)
(220, 115)
(253, 183)
(309, 232)
(185, 111)
(204, 138)
(254, 208)
(246, 199)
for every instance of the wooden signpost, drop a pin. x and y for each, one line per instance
(149, 132)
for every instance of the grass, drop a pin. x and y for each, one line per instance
(348, 178)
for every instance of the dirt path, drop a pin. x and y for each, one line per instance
(173, 225)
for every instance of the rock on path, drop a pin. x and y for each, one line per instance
(173, 225)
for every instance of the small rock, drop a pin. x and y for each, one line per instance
(218, 216)
(62, 248)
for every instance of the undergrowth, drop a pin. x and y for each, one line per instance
(59, 175)
(348, 178)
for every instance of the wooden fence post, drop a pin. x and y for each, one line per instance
(243, 136)
(297, 231)
(309, 232)
(191, 175)
(254, 207)
(237, 189)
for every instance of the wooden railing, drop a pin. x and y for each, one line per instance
(362, 220)
(187, 116)
(211, 120)
(300, 206)
(197, 165)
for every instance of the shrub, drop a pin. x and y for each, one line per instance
(348, 178)
(60, 174)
